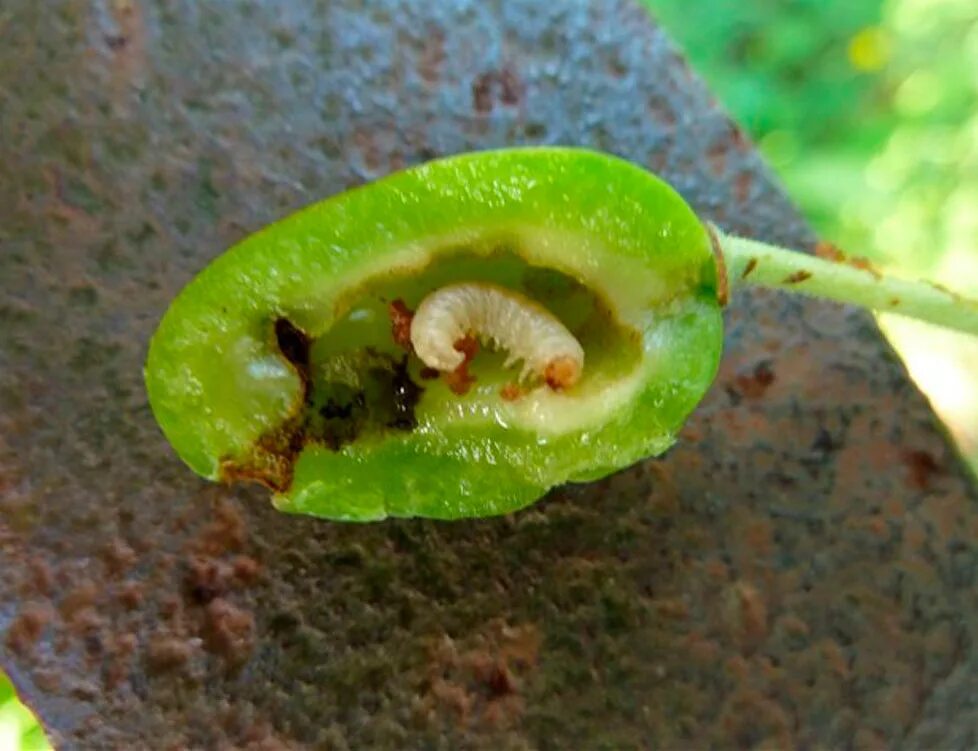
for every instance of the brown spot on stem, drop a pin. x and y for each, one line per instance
(749, 268)
(829, 252)
(229, 631)
(723, 285)
(797, 277)
(26, 628)
(863, 264)
(168, 653)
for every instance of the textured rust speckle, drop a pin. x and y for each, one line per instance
(749, 615)
(511, 392)
(116, 42)
(78, 600)
(922, 467)
(226, 531)
(502, 85)
(229, 631)
(481, 686)
(742, 187)
(119, 557)
(432, 57)
(130, 594)
(26, 628)
(510, 87)
(207, 579)
(754, 383)
(168, 653)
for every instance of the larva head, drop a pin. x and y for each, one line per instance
(334, 356)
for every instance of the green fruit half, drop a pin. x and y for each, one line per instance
(277, 362)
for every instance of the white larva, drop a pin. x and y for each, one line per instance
(507, 320)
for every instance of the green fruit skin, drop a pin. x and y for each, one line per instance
(217, 382)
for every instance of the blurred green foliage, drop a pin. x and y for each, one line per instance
(19, 730)
(868, 111)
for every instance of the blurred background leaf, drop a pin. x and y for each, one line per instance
(19, 730)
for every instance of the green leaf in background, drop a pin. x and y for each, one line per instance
(19, 730)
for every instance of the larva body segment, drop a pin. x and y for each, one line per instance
(505, 319)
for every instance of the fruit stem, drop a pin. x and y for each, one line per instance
(844, 280)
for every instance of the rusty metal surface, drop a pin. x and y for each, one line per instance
(799, 571)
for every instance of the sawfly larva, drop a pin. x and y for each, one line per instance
(505, 319)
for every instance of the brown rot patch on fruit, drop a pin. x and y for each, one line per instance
(270, 461)
(294, 344)
(829, 252)
(332, 412)
(833, 253)
(401, 317)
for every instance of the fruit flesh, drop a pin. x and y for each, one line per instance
(609, 249)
